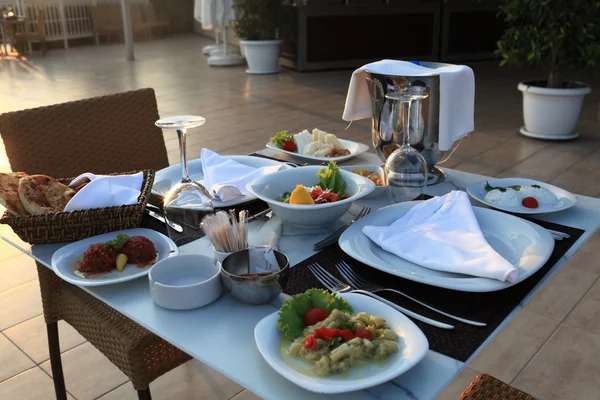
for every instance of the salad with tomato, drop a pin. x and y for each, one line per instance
(330, 188)
(325, 333)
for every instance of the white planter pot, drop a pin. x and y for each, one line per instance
(262, 56)
(551, 113)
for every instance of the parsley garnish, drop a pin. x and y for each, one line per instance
(489, 187)
(118, 242)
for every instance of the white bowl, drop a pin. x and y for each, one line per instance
(379, 190)
(269, 187)
(185, 282)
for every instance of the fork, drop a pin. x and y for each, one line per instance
(331, 239)
(336, 286)
(359, 283)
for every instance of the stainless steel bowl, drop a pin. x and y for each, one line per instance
(257, 289)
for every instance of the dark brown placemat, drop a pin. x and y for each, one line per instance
(460, 343)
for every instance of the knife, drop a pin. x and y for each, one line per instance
(160, 217)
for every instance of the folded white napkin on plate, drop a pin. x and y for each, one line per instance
(457, 96)
(105, 191)
(443, 234)
(226, 179)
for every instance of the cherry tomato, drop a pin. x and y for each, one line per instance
(346, 334)
(310, 342)
(334, 197)
(363, 334)
(530, 202)
(316, 192)
(289, 145)
(315, 315)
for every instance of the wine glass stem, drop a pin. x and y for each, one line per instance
(406, 119)
(184, 171)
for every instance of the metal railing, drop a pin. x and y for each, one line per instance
(65, 19)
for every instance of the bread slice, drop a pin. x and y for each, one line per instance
(9, 193)
(41, 194)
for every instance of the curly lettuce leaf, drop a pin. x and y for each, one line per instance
(280, 138)
(331, 179)
(291, 315)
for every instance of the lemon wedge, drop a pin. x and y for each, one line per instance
(301, 196)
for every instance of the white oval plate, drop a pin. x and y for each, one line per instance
(566, 199)
(525, 245)
(355, 149)
(412, 343)
(166, 178)
(64, 260)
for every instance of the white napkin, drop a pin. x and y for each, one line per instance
(443, 234)
(457, 96)
(261, 260)
(226, 179)
(105, 191)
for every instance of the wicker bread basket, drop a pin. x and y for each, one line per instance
(80, 224)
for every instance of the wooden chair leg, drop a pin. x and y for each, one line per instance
(56, 362)
(144, 394)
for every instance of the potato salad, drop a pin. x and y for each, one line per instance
(342, 340)
(335, 340)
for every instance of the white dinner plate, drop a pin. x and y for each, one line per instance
(166, 178)
(355, 149)
(565, 199)
(64, 260)
(413, 346)
(525, 245)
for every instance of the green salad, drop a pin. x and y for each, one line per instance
(330, 188)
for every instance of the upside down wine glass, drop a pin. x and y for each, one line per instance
(186, 203)
(406, 168)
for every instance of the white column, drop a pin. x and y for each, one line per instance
(63, 24)
(127, 29)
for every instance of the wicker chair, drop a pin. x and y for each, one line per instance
(24, 39)
(486, 387)
(102, 134)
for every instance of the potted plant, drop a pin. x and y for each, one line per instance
(558, 35)
(257, 25)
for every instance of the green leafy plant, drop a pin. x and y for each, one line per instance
(558, 35)
(258, 19)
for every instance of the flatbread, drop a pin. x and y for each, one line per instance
(9, 192)
(41, 194)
